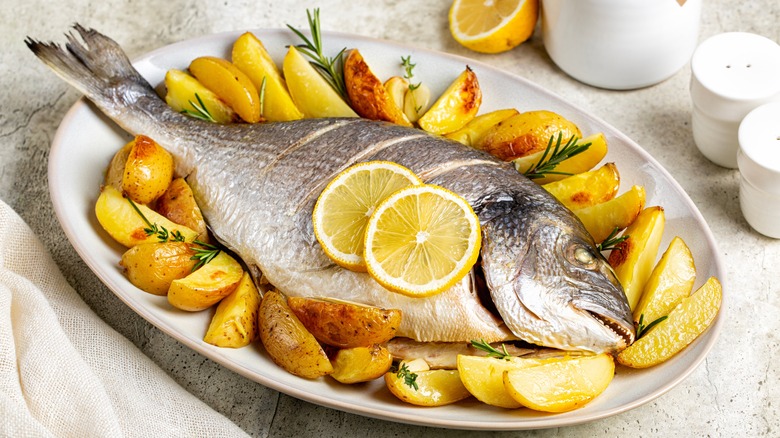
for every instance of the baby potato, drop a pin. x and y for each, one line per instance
(633, 259)
(472, 133)
(207, 285)
(361, 364)
(601, 219)
(588, 188)
(430, 387)
(178, 204)
(125, 225)
(685, 323)
(344, 324)
(152, 267)
(310, 91)
(185, 94)
(234, 324)
(455, 107)
(250, 56)
(582, 162)
(230, 84)
(148, 170)
(526, 133)
(396, 88)
(562, 385)
(288, 342)
(116, 169)
(368, 95)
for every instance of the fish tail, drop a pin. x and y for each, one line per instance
(96, 65)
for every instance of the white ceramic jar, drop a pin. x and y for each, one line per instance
(731, 74)
(620, 44)
(759, 167)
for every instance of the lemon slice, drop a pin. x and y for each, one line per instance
(344, 206)
(422, 240)
(492, 26)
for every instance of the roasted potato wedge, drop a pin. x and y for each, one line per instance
(670, 282)
(455, 107)
(288, 342)
(152, 267)
(579, 163)
(312, 95)
(207, 285)
(526, 133)
(230, 84)
(343, 324)
(361, 364)
(685, 323)
(148, 170)
(472, 133)
(633, 259)
(588, 188)
(430, 388)
(396, 88)
(368, 95)
(116, 169)
(250, 56)
(416, 101)
(125, 225)
(563, 385)
(235, 322)
(185, 94)
(601, 219)
(178, 204)
(483, 376)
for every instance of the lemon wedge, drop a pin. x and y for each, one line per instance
(421, 240)
(492, 26)
(344, 206)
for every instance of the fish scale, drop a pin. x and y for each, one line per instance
(257, 185)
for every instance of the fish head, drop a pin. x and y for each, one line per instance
(552, 287)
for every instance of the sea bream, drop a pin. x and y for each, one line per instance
(541, 278)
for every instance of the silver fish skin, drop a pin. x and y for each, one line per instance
(257, 185)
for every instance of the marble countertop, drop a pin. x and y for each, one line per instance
(735, 392)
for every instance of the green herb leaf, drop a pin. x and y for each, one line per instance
(203, 254)
(162, 233)
(262, 95)
(611, 241)
(331, 69)
(554, 155)
(410, 378)
(642, 329)
(200, 112)
(491, 351)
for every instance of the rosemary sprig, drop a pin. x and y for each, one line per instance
(332, 69)
(642, 328)
(611, 241)
(203, 255)
(553, 156)
(201, 112)
(491, 351)
(410, 378)
(163, 235)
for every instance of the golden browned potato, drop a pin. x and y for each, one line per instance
(148, 170)
(235, 322)
(526, 133)
(368, 95)
(230, 84)
(472, 133)
(601, 219)
(186, 95)
(178, 204)
(116, 170)
(206, 286)
(310, 92)
(430, 387)
(588, 188)
(455, 107)
(361, 364)
(344, 324)
(579, 163)
(288, 342)
(125, 225)
(152, 267)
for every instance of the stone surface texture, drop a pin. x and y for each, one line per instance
(735, 392)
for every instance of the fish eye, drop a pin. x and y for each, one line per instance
(584, 256)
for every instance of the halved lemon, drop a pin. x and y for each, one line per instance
(492, 26)
(422, 240)
(344, 206)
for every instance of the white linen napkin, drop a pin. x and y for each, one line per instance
(65, 372)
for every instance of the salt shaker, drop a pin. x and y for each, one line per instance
(759, 167)
(732, 73)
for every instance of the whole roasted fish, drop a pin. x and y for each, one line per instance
(257, 185)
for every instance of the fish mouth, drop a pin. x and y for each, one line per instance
(620, 329)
